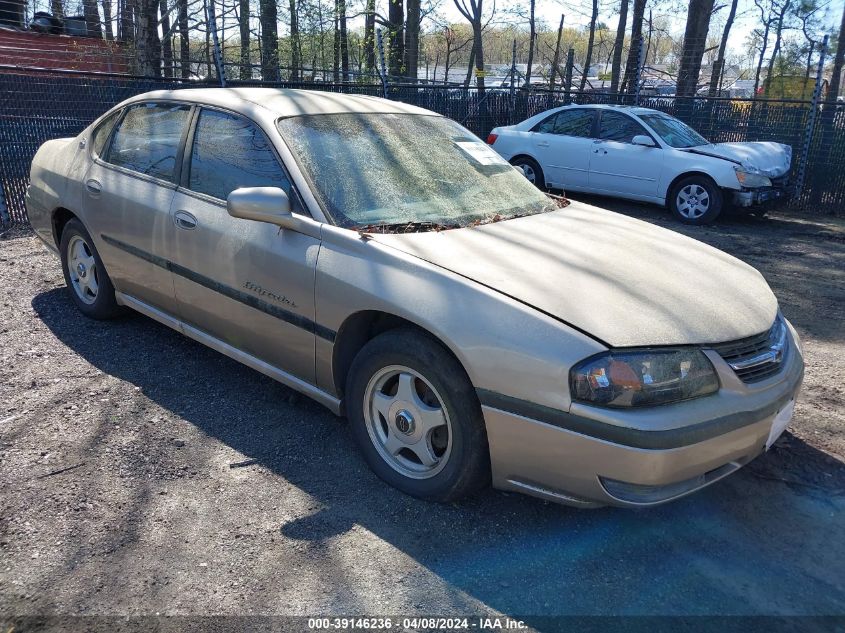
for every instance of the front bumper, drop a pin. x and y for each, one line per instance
(592, 457)
(755, 197)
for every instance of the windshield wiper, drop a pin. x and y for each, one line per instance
(555, 203)
(405, 227)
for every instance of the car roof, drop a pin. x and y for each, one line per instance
(283, 102)
(609, 106)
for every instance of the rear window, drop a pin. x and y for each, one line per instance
(147, 139)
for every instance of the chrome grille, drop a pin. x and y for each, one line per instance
(757, 357)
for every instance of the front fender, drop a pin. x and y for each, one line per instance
(505, 346)
(681, 163)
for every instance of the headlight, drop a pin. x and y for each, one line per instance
(752, 179)
(635, 379)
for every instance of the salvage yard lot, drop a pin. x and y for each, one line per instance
(142, 473)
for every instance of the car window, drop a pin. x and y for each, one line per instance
(101, 134)
(615, 126)
(230, 152)
(147, 139)
(568, 123)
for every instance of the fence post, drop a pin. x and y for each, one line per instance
(570, 62)
(382, 66)
(211, 22)
(811, 124)
(638, 72)
(5, 220)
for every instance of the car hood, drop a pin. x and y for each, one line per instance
(772, 159)
(621, 280)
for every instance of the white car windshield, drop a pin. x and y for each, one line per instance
(674, 132)
(421, 171)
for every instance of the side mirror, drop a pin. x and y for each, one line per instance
(262, 204)
(642, 139)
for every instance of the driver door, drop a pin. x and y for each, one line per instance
(249, 284)
(618, 166)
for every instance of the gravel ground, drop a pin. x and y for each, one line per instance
(141, 474)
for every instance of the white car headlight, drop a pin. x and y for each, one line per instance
(751, 178)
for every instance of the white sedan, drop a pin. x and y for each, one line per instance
(643, 154)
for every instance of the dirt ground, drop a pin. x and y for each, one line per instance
(143, 474)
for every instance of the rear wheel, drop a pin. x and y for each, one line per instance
(696, 200)
(531, 170)
(416, 418)
(86, 278)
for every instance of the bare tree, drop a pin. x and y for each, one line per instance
(473, 11)
(556, 60)
(779, 18)
(591, 39)
(370, 36)
(532, 41)
(268, 16)
(92, 18)
(107, 18)
(616, 66)
(412, 38)
(184, 38)
(636, 42)
(395, 25)
(718, 67)
(838, 60)
(166, 42)
(147, 43)
(295, 42)
(243, 24)
(766, 21)
(695, 41)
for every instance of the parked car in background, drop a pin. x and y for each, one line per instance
(382, 260)
(643, 154)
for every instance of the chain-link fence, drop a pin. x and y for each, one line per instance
(36, 106)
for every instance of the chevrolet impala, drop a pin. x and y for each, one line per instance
(382, 260)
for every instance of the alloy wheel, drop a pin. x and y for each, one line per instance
(82, 268)
(407, 422)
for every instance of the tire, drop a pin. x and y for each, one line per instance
(86, 278)
(531, 170)
(696, 200)
(413, 451)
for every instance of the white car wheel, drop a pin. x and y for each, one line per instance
(696, 200)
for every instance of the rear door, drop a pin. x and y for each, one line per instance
(129, 188)
(562, 144)
(247, 283)
(617, 165)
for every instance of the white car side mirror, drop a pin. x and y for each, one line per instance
(642, 139)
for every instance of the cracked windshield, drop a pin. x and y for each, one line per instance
(413, 171)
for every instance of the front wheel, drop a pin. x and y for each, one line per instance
(696, 200)
(416, 418)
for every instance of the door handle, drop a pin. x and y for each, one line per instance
(185, 220)
(93, 186)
